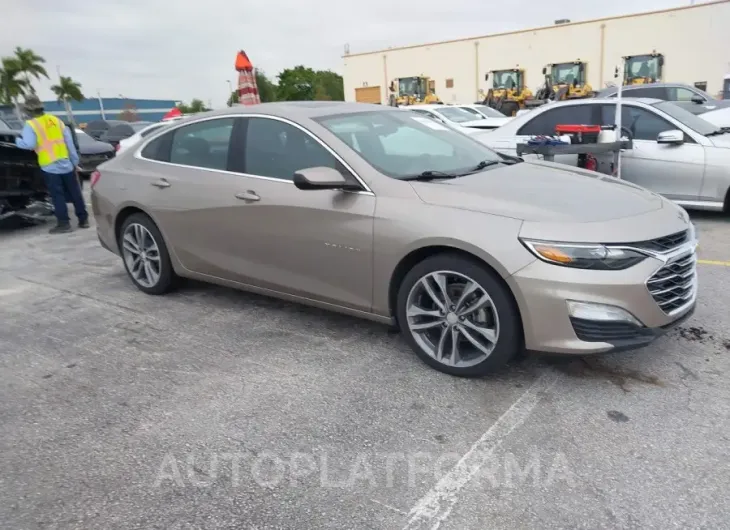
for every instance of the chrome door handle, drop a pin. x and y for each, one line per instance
(248, 196)
(162, 183)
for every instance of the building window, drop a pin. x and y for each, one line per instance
(449, 83)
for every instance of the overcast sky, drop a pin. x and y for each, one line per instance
(181, 49)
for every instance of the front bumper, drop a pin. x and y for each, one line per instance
(543, 290)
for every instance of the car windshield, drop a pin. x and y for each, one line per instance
(455, 114)
(695, 123)
(401, 144)
(488, 111)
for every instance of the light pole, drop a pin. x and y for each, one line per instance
(101, 104)
(230, 92)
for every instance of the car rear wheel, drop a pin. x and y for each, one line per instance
(145, 255)
(458, 317)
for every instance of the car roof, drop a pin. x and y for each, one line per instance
(612, 89)
(300, 109)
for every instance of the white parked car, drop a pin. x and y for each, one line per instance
(481, 111)
(137, 137)
(675, 153)
(459, 118)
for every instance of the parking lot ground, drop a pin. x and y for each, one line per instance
(211, 408)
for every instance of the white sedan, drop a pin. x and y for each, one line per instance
(459, 118)
(675, 153)
(142, 133)
(719, 117)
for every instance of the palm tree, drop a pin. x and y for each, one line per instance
(12, 86)
(68, 90)
(30, 65)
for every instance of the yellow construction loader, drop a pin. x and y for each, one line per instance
(643, 69)
(568, 80)
(417, 90)
(508, 93)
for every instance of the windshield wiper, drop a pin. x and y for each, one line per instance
(431, 175)
(484, 164)
(721, 130)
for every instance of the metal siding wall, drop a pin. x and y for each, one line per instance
(693, 42)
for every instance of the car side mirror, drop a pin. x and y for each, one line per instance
(322, 178)
(698, 99)
(674, 137)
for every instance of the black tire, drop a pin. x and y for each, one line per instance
(168, 280)
(510, 339)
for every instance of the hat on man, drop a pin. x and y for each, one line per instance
(33, 103)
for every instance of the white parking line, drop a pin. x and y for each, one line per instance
(434, 507)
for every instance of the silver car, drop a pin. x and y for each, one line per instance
(383, 214)
(675, 153)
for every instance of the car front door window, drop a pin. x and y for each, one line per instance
(203, 144)
(277, 149)
(682, 94)
(643, 124)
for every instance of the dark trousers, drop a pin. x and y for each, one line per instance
(65, 187)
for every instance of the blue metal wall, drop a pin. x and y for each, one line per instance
(90, 109)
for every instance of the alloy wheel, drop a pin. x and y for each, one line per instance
(452, 318)
(141, 255)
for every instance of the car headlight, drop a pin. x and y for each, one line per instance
(584, 256)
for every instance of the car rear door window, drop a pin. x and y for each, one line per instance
(643, 124)
(545, 122)
(655, 92)
(203, 144)
(277, 149)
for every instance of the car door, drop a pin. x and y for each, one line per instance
(316, 244)
(545, 121)
(675, 171)
(191, 194)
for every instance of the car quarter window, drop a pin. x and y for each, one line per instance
(679, 93)
(278, 149)
(643, 124)
(202, 144)
(545, 122)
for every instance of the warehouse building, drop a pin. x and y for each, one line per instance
(692, 39)
(113, 109)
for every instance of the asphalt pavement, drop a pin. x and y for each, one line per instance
(212, 408)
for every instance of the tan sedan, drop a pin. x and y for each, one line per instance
(387, 215)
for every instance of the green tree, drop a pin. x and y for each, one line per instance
(68, 90)
(302, 84)
(196, 105)
(30, 65)
(12, 85)
(296, 84)
(331, 85)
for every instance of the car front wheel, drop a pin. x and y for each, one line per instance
(458, 316)
(145, 255)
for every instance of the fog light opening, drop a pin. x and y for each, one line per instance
(600, 312)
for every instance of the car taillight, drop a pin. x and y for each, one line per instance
(116, 147)
(95, 176)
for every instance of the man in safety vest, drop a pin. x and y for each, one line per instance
(58, 158)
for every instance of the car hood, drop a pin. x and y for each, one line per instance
(542, 192)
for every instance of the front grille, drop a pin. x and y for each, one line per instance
(662, 244)
(675, 284)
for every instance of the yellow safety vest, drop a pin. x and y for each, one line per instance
(50, 144)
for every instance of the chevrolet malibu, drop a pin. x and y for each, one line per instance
(382, 214)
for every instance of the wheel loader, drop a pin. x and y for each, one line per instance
(508, 93)
(568, 81)
(417, 90)
(643, 69)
